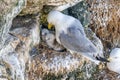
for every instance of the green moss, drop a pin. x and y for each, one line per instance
(43, 17)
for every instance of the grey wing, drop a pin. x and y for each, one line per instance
(75, 40)
(79, 26)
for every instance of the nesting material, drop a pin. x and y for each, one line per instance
(53, 62)
(49, 61)
(49, 38)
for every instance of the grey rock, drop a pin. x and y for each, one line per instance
(15, 55)
(9, 10)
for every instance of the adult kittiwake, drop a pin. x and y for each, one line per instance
(70, 33)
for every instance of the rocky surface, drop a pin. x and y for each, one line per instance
(8, 10)
(15, 57)
(105, 22)
(33, 7)
(51, 62)
(22, 59)
(36, 6)
(103, 19)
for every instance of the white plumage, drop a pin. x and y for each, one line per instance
(70, 33)
(50, 40)
(114, 64)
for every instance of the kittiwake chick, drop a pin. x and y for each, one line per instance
(50, 40)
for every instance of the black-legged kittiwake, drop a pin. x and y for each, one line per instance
(70, 33)
(50, 40)
(114, 58)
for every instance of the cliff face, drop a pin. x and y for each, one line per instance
(8, 10)
(105, 21)
(23, 56)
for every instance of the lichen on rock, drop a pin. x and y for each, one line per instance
(15, 57)
(9, 9)
(33, 7)
(105, 22)
(22, 59)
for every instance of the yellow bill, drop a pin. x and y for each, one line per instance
(109, 59)
(50, 25)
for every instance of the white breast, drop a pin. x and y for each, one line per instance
(114, 66)
(58, 32)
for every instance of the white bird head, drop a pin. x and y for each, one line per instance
(50, 37)
(114, 55)
(54, 17)
(114, 64)
(44, 32)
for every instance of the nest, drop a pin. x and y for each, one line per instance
(49, 61)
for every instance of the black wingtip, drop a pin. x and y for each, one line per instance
(102, 59)
(12, 34)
